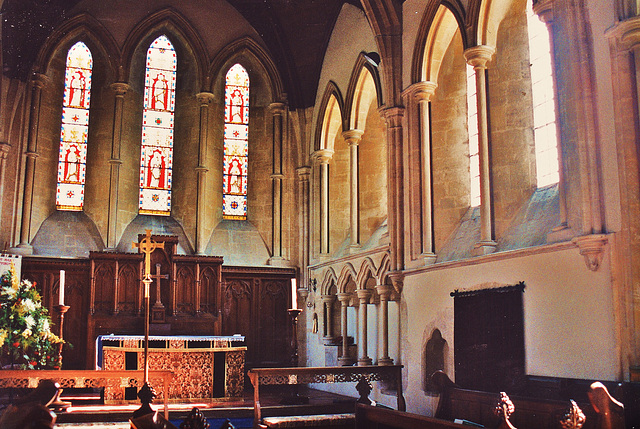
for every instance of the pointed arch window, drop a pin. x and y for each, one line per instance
(236, 143)
(472, 125)
(74, 130)
(156, 157)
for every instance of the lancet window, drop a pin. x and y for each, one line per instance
(236, 143)
(544, 112)
(74, 130)
(472, 126)
(157, 128)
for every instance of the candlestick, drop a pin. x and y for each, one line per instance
(61, 292)
(57, 404)
(294, 294)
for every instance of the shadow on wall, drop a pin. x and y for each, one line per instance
(159, 225)
(67, 234)
(239, 242)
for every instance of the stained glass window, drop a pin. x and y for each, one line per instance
(156, 157)
(236, 143)
(72, 157)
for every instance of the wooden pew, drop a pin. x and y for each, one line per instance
(360, 375)
(479, 406)
(369, 417)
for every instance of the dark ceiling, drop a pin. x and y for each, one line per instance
(296, 32)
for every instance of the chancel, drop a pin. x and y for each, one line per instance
(453, 187)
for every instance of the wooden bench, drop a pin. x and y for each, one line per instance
(362, 375)
(478, 406)
(19, 378)
(369, 417)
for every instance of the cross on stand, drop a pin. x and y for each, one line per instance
(146, 393)
(157, 312)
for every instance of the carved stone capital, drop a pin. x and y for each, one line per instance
(424, 90)
(592, 249)
(479, 56)
(4, 150)
(392, 115)
(303, 172)
(363, 295)
(39, 80)
(204, 98)
(303, 292)
(384, 291)
(397, 279)
(277, 108)
(328, 299)
(344, 298)
(627, 32)
(352, 137)
(276, 176)
(323, 155)
(544, 9)
(120, 88)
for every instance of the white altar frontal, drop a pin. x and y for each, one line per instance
(204, 367)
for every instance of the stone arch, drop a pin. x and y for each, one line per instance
(330, 119)
(347, 272)
(490, 14)
(249, 49)
(382, 275)
(367, 269)
(177, 28)
(329, 280)
(364, 87)
(431, 23)
(443, 27)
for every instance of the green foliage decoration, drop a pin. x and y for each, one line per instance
(25, 326)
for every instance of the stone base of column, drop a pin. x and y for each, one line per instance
(385, 361)
(560, 233)
(278, 261)
(484, 248)
(22, 249)
(422, 260)
(365, 361)
(331, 341)
(354, 248)
(346, 361)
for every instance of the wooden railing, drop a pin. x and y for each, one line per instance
(88, 379)
(391, 375)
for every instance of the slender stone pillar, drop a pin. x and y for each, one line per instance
(327, 302)
(424, 92)
(38, 82)
(324, 156)
(363, 297)
(344, 299)
(353, 138)
(4, 152)
(303, 180)
(385, 292)
(544, 9)
(120, 89)
(204, 98)
(478, 56)
(395, 189)
(277, 112)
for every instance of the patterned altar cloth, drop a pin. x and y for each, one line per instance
(203, 367)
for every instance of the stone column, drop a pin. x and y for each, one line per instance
(478, 56)
(353, 138)
(363, 297)
(37, 83)
(324, 156)
(344, 298)
(327, 302)
(395, 189)
(385, 292)
(544, 10)
(424, 92)
(277, 111)
(120, 89)
(4, 152)
(303, 179)
(204, 98)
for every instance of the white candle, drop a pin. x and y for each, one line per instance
(294, 294)
(61, 294)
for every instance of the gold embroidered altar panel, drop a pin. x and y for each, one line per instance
(200, 370)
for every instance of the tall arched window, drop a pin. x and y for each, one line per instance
(236, 143)
(472, 126)
(75, 129)
(156, 156)
(544, 111)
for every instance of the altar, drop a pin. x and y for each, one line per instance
(203, 367)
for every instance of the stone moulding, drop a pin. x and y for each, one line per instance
(592, 249)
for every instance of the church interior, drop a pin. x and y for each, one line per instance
(444, 185)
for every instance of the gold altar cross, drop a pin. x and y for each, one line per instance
(147, 246)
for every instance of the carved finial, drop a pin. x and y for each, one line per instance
(195, 420)
(364, 389)
(504, 409)
(574, 417)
